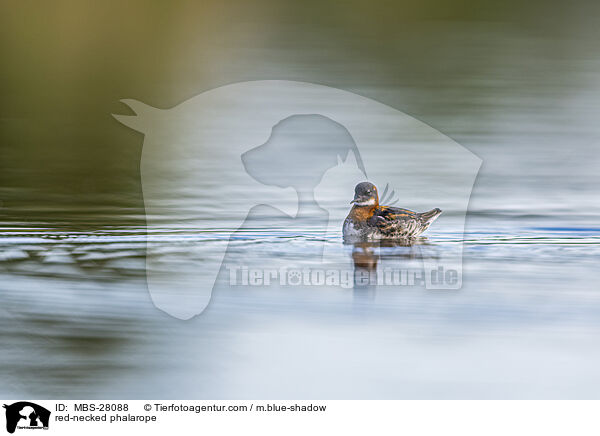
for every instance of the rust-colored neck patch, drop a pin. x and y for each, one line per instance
(362, 213)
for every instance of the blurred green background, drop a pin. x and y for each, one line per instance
(479, 71)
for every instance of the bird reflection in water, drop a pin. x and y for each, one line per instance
(366, 257)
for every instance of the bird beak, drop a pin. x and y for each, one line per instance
(357, 199)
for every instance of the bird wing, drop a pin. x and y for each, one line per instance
(390, 219)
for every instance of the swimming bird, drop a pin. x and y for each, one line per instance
(368, 220)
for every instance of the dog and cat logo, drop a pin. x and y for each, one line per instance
(26, 415)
